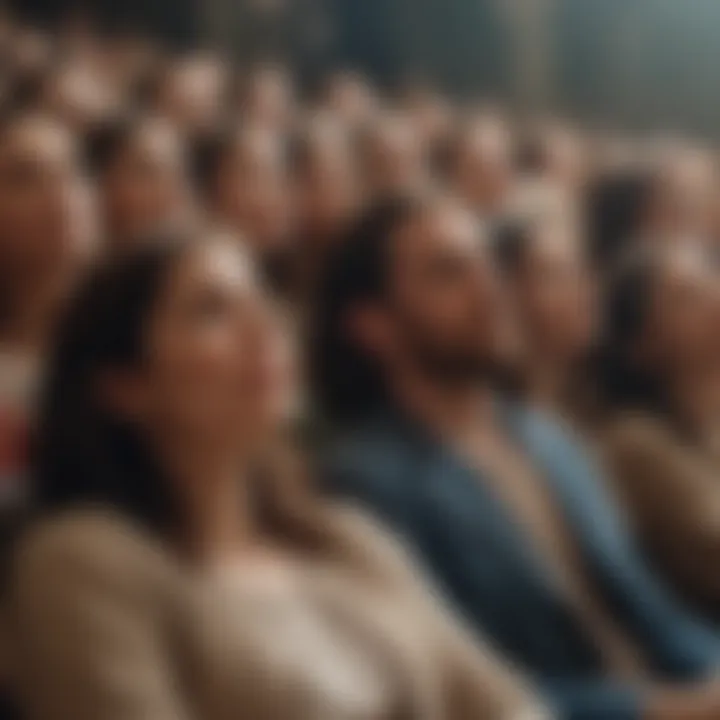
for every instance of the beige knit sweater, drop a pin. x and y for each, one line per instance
(110, 625)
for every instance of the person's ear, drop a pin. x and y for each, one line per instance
(370, 328)
(124, 394)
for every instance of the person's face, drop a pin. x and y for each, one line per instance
(146, 189)
(483, 174)
(328, 191)
(555, 296)
(252, 190)
(46, 208)
(270, 101)
(80, 96)
(431, 116)
(193, 94)
(682, 203)
(681, 331)
(350, 97)
(216, 369)
(395, 159)
(445, 306)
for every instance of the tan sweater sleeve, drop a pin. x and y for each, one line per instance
(479, 682)
(672, 495)
(88, 635)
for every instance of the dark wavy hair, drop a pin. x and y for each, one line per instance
(83, 453)
(346, 383)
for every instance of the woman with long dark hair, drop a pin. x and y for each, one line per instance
(660, 377)
(176, 567)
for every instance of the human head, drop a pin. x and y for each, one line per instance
(393, 156)
(411, 292)
(46, 208)
(174, 346)
(140, 165)
(479, 164)
(661, 316)
(348, 95)
(326, 181)
(190, 92)
(243, 176)
(79, 94)
(552, 287)
(268, 98)
(554, 152)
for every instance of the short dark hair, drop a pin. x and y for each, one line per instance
(623, 383)
(347, 384)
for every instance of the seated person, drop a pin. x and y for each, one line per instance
(173, 570)
(553, 291)
(661, 379)
(505, 509)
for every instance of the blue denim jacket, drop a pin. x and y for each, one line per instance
(487, 567)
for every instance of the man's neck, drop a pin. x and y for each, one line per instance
(450, 410)
(217, 519)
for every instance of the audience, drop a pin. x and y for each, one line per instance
(469, 299)
(46, 236)
(505, 509)
(168, 535)
(553, 290)
(662, 384)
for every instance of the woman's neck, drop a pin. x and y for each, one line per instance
(212, 490)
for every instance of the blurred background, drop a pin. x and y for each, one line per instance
(632, 63)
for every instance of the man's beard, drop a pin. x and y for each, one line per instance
(452, 367)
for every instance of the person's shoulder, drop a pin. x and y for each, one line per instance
(376, 446)
(84, 542)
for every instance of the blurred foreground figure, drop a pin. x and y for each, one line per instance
(46, 233)
(660, 369)
(171, 535)
(505, 509)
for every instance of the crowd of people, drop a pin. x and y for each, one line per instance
(335, 403)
